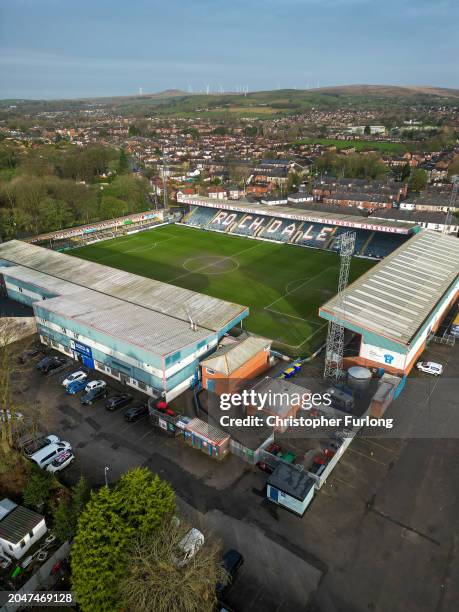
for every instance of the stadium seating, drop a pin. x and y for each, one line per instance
(383, 244)
(303, 233)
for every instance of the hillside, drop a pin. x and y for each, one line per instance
(258, 104)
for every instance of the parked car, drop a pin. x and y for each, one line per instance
(48, 453)
(118, 401)
(33, 445)
(48, 364)
(75, 387)
(30, 353)
(95, 384)
(93, 396)
(136, 412)
(232, 561)
(430, 367)
(78, 375)
(61, 461)
(188, 546)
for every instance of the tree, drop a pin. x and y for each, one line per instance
(367, 130)
(38, 488)
(136, 507)
(69, 510)
(154, 582)
(418, 180)
(123, 163)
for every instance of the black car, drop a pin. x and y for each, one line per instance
(231, 561)
(118, 401)
(30, 353)
(93, 396)
(136, 412)
(50, 363)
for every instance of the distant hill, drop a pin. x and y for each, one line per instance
(388, 91)
(253, 105)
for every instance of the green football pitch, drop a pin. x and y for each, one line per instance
(283, 285)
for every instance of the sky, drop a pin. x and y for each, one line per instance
(83, 48)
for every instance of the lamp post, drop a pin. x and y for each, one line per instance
(106, 470)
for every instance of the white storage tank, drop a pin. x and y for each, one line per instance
(358, 377)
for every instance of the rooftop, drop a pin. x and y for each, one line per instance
(153, 331)
(396, 297)
(208, 312)
(292, 481)
(17, 524)
(230, 358)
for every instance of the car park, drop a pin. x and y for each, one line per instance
(136, 412)
(50, 363)
(118, 401)
(48, 453)
(93, 395)
(33, 445)
(29, 354)
(95, 384)
(61, 461)
(188, 546)
(78, 375)
(430, 367)
(232, 561)
(75, 387)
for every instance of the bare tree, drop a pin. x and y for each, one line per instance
(155, 582)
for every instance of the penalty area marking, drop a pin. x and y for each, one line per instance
(303, 284)
(136, 250)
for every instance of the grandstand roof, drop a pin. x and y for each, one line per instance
(208, 312)
(154, 332)
(288, 212)
(395, 298)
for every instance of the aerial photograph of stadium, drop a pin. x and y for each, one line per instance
(229, 306)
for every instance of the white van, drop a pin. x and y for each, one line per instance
(430, 367)
(48, 453)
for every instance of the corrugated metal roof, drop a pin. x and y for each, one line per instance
(231, 357)
(289, 212)
(209, 432)
(18, 523)
(209, 312)
(395, 298)
(155, 332)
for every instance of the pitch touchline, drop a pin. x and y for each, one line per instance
(295, 346)
(283, 314)
(172, 280)
(299, 286)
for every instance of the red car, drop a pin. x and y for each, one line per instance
(169, 412)
(161, 405)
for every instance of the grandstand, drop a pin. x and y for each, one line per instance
(103, 230)
(316, 229)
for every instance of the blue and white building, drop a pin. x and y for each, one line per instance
(147, 334)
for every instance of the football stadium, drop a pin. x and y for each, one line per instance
(251, 257)
(146, 299)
